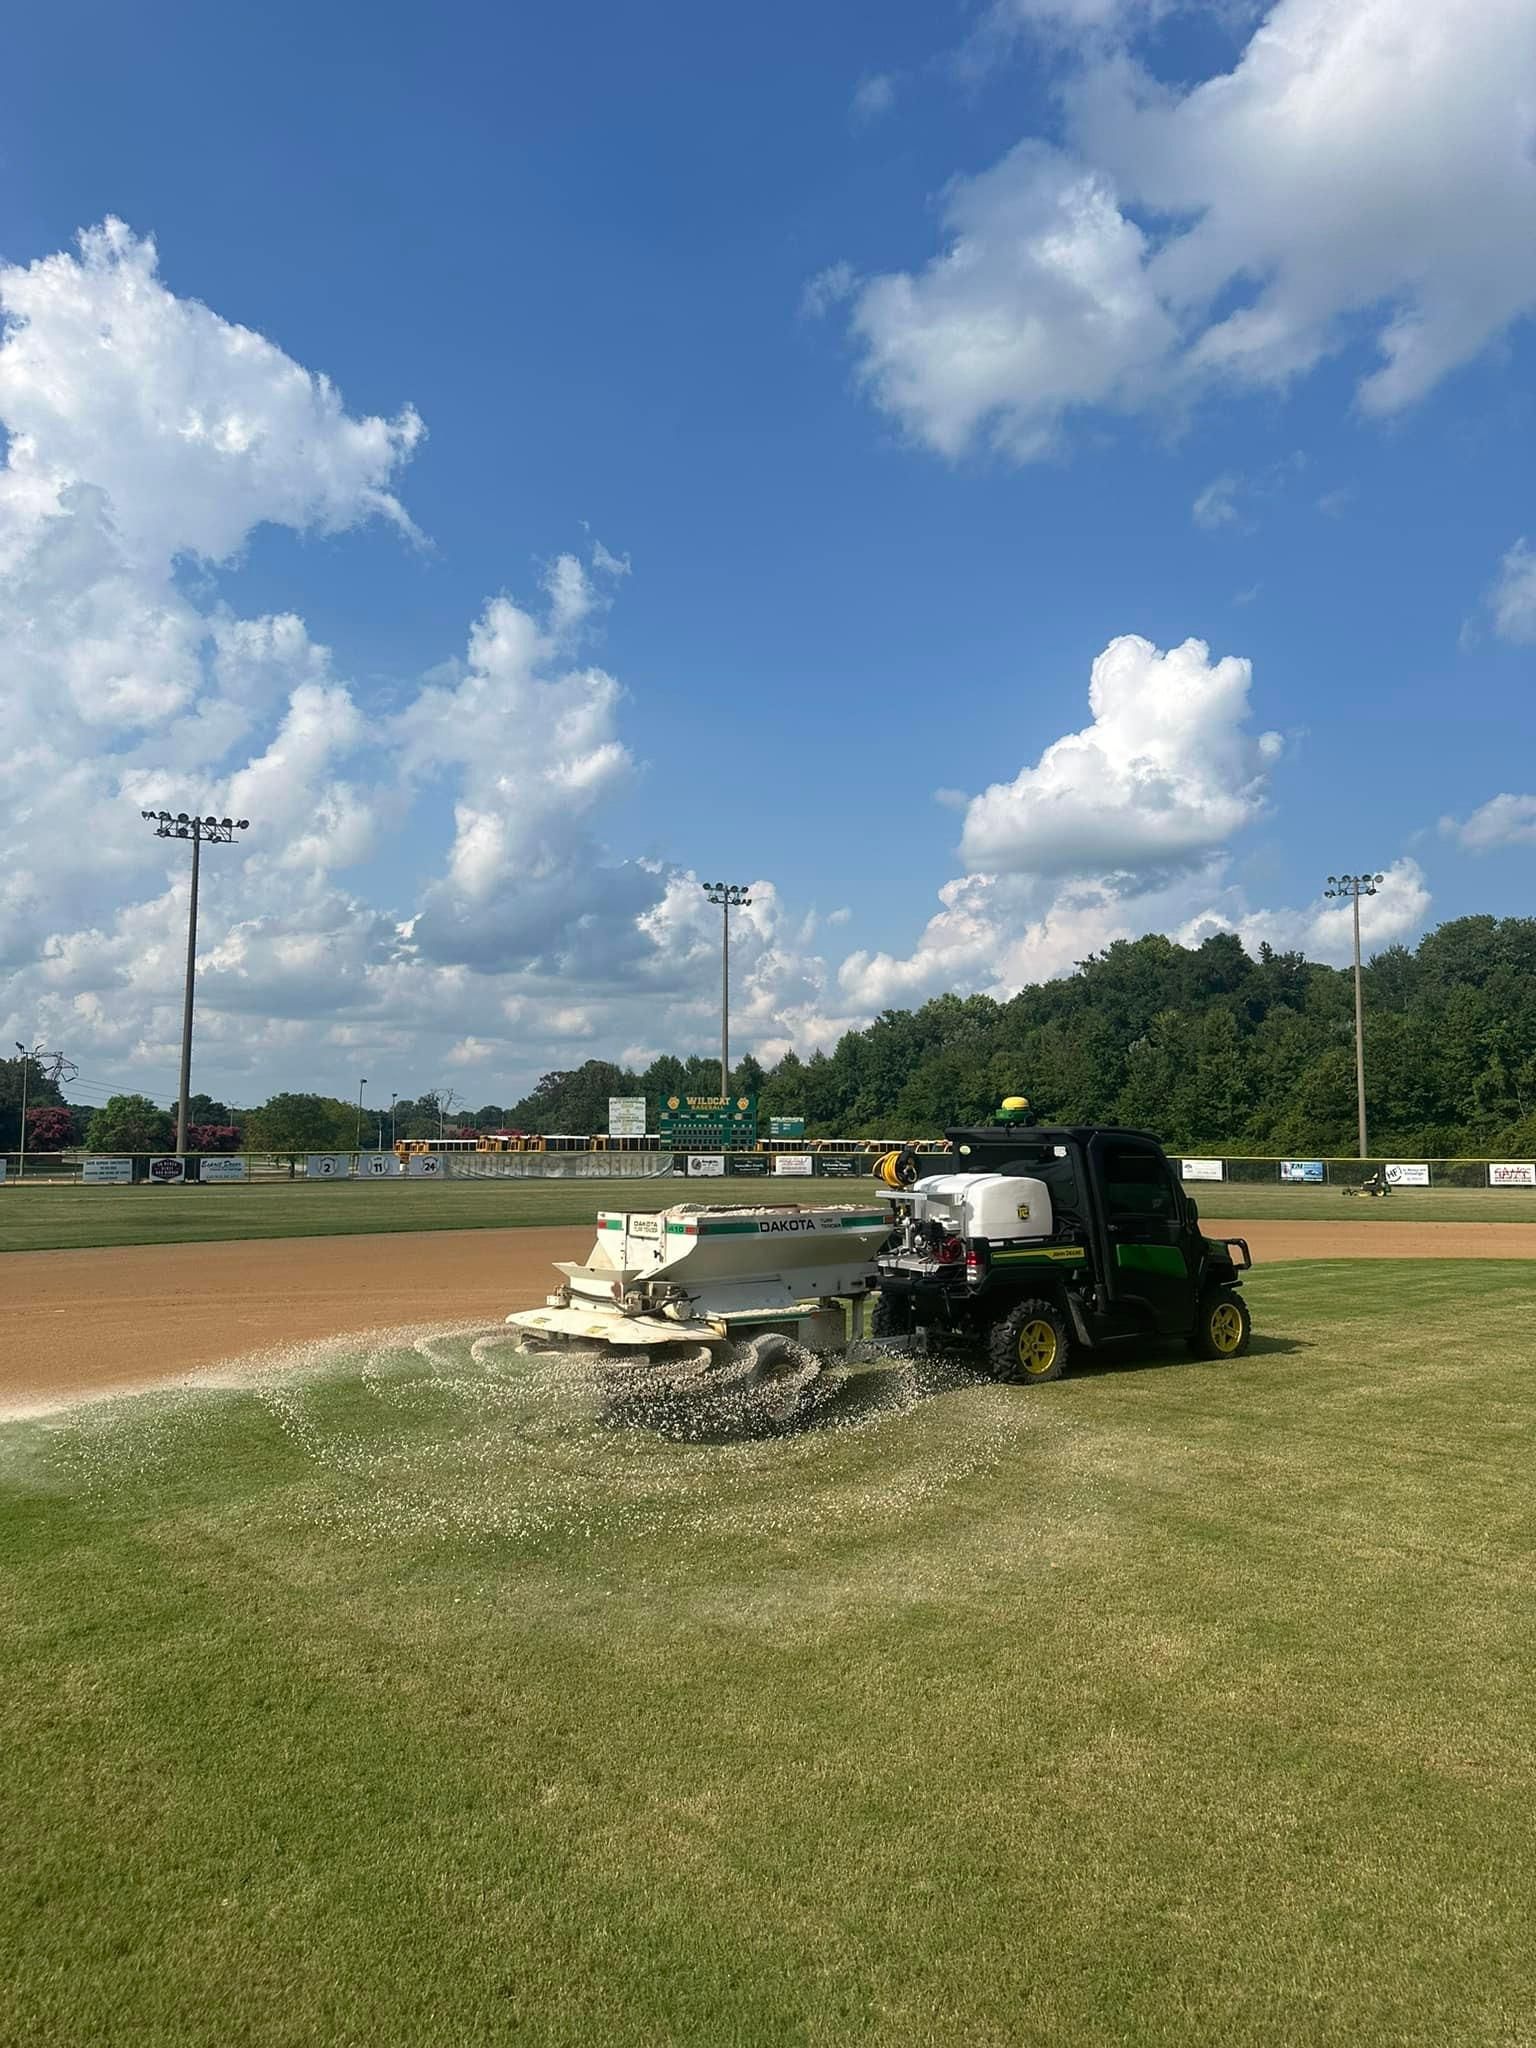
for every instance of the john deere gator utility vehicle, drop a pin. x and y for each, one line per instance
(1042, 1240)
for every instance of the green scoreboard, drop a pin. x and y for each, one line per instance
(708, 1123)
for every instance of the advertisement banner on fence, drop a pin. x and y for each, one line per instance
(746, 1164)
(167, 1172)
(832, 1167)
(211, 1168)
(798, 1164)
(1302, 1169)
(705, 1165)
(2, 1169)
(1506, 1176)
(106, 1173)
(425, 1166)
(1415, 1174)
(626, 1116)
(1202, 1169)
(328, 1165)
(379, 1165)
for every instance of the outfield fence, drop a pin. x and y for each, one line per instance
(824, 1159)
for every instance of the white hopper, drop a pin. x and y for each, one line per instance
(697, 1273)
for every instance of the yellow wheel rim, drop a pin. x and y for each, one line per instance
(1226, 1326)
(1037, 1347)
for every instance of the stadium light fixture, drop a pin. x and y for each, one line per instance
(1354, 887)
(730, 896)
(214, 831)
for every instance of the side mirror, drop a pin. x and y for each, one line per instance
(1194, 1209)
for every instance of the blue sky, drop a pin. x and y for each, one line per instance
(873, 551)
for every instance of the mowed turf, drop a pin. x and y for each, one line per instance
(436, 1699)
(64, 1218)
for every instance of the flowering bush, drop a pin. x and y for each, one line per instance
(213, 1137)
(51, 1128)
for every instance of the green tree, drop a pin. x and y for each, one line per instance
(1156, 1068)
(130, 1123)
(206, 1109)
(783, 1091)
(302, 1123)
(748, 1076)
(41, 1093)
(575, 1101)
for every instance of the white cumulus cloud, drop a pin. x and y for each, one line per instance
(1120, 829)
(874, 95)
(1216, 505)
(141, 431)
(1512, 601)
(1167, 771)
(1324, 929)
(1364, 173)
(1505, 820)
(1039, 304)
(196, 430)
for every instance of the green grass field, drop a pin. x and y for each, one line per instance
(62, 1218)
(439, 1698)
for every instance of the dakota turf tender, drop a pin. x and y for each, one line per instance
(696, 1274)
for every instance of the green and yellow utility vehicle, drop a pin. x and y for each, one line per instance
(1040, 1241)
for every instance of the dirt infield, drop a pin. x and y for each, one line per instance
(80, 1325)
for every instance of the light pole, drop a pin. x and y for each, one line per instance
(392, 1101)
(360, 1087)
(216, 831)
(1354, 887)
(730, 896)
(26, 1060)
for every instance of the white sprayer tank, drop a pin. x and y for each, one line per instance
(984, 1205)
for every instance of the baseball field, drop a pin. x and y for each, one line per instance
(367, 1680)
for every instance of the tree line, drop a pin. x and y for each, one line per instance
(1210, 1047)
